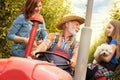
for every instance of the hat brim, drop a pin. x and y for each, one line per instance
(69, 18)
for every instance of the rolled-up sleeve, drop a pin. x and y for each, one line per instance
(114, 41)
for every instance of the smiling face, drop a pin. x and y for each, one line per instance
(38, 7)
(31, 7)
(109, 29)
(73, 27)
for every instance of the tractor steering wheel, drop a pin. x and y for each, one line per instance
(58, 60)
(48, 54)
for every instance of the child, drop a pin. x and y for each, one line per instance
(107, 64)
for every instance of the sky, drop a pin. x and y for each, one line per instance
(100, 14)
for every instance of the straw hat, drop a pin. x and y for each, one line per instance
(69, 17)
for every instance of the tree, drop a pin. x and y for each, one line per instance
(53, 10)
(115, 12)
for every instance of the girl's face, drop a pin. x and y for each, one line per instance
(38, 7)
(110, 29)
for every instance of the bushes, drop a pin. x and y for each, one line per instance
(9, 9)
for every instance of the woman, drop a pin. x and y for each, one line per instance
(107, 64)
(20, 30)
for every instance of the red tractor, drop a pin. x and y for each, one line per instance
(16, 68)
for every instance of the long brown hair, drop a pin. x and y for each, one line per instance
(115, 35)
(29, 7)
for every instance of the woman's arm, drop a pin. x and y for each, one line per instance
(15, 29)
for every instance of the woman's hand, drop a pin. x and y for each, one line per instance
(26, 42)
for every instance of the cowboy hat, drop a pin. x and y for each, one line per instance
(69, 17)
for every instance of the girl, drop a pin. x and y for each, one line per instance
(107, 64)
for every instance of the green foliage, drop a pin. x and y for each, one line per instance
(115, 12)
(9, 9)
(98, 42)
(53, 10)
